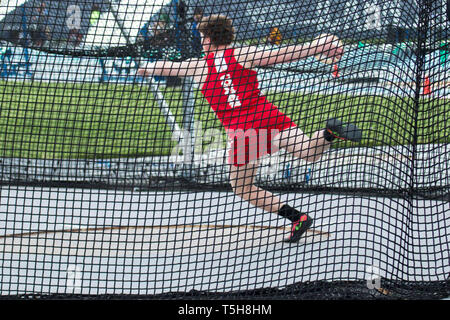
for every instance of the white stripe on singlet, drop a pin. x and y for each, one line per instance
(220, 63)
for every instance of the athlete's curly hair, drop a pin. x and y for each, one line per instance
(218, 28)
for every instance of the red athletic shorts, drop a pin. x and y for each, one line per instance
(251, 132)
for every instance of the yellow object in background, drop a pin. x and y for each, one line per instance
(275, 36)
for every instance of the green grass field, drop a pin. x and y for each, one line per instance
(64, 120)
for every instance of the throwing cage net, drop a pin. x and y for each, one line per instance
(117, 185)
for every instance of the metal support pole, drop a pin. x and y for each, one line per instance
(188, 125)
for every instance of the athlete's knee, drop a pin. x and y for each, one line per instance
(313, 157)
(241, 190)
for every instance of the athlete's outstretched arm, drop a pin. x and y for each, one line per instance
(329, 46)
(166, 68)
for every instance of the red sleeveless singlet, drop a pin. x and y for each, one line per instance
(250, 120)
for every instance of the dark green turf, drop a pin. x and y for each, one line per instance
(65, 120)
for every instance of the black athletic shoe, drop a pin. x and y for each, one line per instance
(299, 227)
(344, 131)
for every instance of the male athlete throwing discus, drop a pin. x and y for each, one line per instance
(255, 126)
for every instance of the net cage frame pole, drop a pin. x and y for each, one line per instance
(187, 85)
(177, 134)
(189, 121)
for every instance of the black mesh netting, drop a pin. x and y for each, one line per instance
(117, 185)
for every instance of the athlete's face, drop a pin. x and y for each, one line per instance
(206, 43)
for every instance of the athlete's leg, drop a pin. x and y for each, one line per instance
(312, 148)
(242, 182)
(241, 179)
(300, 145)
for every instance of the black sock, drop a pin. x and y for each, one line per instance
(328, 136)
(289, 213)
